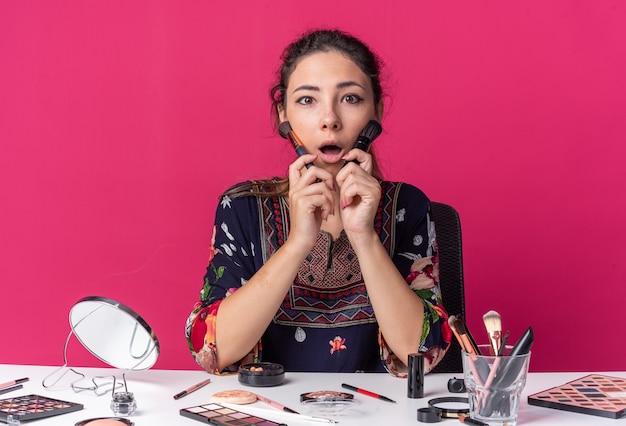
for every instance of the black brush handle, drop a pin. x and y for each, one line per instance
(362, 143)
(508, 371)
(300, 150)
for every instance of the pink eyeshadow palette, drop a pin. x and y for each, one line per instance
(215, 414)
(32, 407)
(595, 394)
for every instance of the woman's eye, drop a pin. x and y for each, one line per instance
(352, 99)
(305, 100)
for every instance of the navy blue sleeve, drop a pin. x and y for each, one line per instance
(234, 255)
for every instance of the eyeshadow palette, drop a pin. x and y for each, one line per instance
(216, 414)
(32, 407)
(595, 394)
(328, 401)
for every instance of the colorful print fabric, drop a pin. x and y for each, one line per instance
(326, 322)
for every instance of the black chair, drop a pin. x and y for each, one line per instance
(448, 228)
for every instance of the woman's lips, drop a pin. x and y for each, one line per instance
(330, 149)
(331, 153)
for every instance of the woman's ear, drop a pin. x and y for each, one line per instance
(280, 110)
(380, 109)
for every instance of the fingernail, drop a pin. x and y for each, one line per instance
(342, 204)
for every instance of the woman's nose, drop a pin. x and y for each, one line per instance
(331, 119)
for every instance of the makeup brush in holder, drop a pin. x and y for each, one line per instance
(463, 335)
(493, 324)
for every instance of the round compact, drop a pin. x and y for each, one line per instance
(429, 415)
(451, 406)
(261, 374)
(105, 421)
(327, 401)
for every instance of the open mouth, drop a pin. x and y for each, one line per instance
(330, 149)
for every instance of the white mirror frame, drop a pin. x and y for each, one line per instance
(114, 333)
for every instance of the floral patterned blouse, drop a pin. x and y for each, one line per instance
(326, 321)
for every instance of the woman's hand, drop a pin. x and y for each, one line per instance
(359, 196)
(311, 200)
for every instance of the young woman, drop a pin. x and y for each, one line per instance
(331, 268)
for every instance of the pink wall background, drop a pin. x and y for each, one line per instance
(121, 122)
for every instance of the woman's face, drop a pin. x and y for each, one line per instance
(328, 101)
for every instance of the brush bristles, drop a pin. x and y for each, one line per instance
(452, 324)
(451, 320)
(493, 321)
(372, 130)
(493, 324)
(284, 128)
(466, 341)
(459, 326)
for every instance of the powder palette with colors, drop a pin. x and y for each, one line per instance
(31, 407)
(595, 394)
(216, 414)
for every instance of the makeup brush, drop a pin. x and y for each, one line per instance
(503, 344)
(286, 132)
(370, 132)
(478, 365)
(493, 324)
(466, 336)
(451, 320)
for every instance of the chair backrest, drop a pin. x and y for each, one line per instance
(449, 242)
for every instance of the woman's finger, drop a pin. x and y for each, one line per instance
(300, 175)
(353, 183)
(298, 166)
(359, 158)
(310, 202)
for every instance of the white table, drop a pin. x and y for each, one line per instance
(154, 391)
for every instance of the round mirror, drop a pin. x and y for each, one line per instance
(114, 333)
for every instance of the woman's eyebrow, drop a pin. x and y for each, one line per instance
(350, 83)
(306, 87)
(341, 85)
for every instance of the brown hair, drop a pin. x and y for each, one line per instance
(312, 42)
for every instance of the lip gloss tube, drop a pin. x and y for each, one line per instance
(415, 380)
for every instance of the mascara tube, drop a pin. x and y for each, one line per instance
(415, 379)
